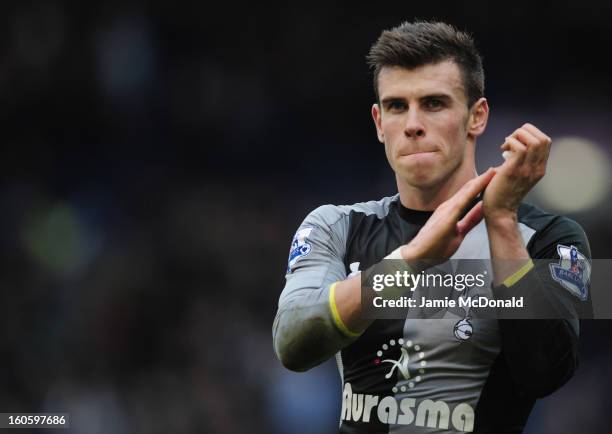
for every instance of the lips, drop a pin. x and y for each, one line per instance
(416, 153)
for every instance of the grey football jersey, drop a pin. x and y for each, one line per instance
(423, 375)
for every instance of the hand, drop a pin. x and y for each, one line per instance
(443, 233)
(525, 166)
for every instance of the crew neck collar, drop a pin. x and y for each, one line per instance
(413, 216)
(419, 217)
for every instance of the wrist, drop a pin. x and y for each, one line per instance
(406, 253)
(501, 219)
(414, 261)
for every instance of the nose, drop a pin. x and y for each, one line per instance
(414, 127)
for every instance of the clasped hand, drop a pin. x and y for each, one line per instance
(504, 188)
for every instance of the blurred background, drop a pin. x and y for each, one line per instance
(157, 158)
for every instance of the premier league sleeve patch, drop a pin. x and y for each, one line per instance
(299, 247)
(572, 272)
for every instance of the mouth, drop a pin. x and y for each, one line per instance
(408, 154)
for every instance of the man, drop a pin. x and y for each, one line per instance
(434, 375)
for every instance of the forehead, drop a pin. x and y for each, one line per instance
(445, 77)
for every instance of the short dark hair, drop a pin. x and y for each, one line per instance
(411, 45)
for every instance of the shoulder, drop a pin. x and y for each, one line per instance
(540, 220)
(328, 216)
(326, 229)
(551, 229)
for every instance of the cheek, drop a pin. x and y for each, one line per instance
(454, 134)
(389, 153)
(390, 125)
(390, 130)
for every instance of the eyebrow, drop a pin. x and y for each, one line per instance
(442, 96)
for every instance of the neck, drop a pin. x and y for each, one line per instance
(428, 199)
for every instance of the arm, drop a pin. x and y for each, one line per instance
(528, 153)
(304, 331)
(319, 311)
(542, 354)
(437, 240)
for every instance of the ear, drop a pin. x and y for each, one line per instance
(377, 117)
(478, 117)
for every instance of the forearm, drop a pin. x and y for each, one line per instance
(349, 297)
(312, 327)
(346, 301)
(305, 333)
(508, 252)
(541, 354)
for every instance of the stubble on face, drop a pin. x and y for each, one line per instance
(429, 100)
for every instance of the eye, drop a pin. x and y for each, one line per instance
(396, 106)
(434, 103)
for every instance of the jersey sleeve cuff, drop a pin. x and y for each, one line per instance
(336, 316)
(519, 274)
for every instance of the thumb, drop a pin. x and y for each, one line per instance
(471, 219)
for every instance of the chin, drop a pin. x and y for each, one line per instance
(420, 175)
(421, 180)
(426, 174)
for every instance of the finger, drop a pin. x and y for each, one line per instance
(536, 146)
(537, 133)
(527, 138)
(518, 151)
(526, 132)
(536, 150)
(471, 219)
(469, 191)
(544, 139)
